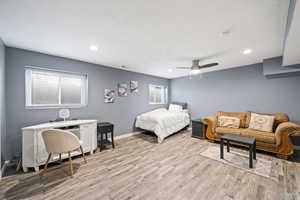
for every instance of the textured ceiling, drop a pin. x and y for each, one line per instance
(148, 36)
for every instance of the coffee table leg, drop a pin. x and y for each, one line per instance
(251, 156)
(228, 147)
(254, 151)
(221, 149)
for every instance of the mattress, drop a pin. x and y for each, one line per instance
(163, 122)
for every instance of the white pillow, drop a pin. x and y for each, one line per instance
(228, 122)
(261, 122)
(175, 108)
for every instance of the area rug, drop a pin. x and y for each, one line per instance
(271, 169)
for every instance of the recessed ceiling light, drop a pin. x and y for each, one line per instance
(247, 51)
(93, 48)
(170, 70)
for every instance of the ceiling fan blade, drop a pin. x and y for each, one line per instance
(183, 68)
(208, 65)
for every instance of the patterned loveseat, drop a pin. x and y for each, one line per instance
(277, 141)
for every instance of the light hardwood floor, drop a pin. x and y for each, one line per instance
(139, 168)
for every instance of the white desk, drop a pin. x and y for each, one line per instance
(34, 153)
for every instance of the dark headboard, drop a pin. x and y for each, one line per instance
(184, 105)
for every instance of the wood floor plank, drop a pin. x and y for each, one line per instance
(140, 169)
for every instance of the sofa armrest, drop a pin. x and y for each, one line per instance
(284, 130)
(211, 123)
(210, 120)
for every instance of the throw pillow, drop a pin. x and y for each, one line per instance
(175, 108)
(241, 116)
(261, 122)
(279, 118)
(229, 122)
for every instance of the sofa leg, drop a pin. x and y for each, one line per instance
(285, 157)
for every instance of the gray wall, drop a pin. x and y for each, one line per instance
(272, 68)
(122, 113)
(2, 99)
(238, 89)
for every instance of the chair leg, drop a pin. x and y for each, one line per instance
(70, 162)
(82, 154)
(46, 165)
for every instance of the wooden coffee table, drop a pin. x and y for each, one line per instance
(240, 139)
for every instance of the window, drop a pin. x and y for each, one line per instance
(158, 94)
(46, 88)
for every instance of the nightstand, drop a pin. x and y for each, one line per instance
(198, 129)
(295, 139)
(103, 128)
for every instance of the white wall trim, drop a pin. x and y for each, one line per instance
(127, 135)
(135, 133)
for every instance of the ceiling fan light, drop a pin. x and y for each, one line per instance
(195, 71)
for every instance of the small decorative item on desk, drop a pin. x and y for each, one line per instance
(198, 129)
(64, 113)
(104, 128)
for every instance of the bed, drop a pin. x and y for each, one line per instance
(164, 122)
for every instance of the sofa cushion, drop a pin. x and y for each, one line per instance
(229, 122)
(279, 118)
(261, 122)
(224, 130)
(241, 116)
(260, 136)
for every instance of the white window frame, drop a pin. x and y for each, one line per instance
(165, 90)
(28, 88)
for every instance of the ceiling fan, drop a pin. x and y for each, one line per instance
(196, 68)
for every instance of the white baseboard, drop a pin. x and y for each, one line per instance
(127, 135)
(136, 133)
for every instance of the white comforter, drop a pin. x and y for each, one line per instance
(163, 122)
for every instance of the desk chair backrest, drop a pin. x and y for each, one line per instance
(60, 141)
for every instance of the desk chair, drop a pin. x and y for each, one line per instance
(59, 141)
